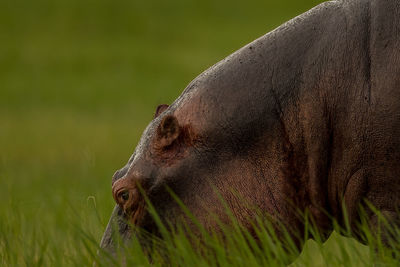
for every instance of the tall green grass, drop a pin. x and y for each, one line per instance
(234, 245)
(43, 244)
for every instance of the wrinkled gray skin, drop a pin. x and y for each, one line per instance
(307, 116)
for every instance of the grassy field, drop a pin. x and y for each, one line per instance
(79, 81)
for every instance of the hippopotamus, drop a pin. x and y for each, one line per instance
(305, 118)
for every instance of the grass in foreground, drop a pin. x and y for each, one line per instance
(238, 247)
(33, 241)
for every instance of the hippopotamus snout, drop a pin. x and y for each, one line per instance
(117, 226)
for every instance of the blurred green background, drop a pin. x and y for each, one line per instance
(79, 81)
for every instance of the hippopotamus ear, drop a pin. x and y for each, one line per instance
(168, 131)
(160, 109)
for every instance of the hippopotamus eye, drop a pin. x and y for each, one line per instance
(124, 195)
(123, 192)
